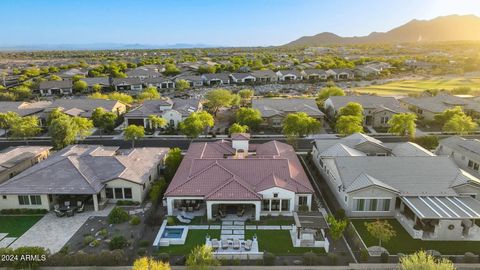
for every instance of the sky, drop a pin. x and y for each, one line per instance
(211, 22)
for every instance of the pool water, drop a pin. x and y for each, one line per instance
(172, 233)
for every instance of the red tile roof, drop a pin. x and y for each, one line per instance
(210, 170)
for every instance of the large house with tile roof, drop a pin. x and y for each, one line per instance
(225, 176)
(429, 195)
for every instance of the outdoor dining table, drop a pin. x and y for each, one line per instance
(69, 209)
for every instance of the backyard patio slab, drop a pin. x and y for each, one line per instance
(3, 235)
(215, 227)
(251, 227)
(198, 227)
(5, 242)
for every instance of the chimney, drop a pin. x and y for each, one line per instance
(240, 142)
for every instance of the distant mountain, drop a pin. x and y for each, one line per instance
(99, 46)
(446, 28)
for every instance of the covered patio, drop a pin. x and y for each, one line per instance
(233, 209)
(440, 217)
(69, 204)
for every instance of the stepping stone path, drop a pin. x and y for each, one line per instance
(232, 230)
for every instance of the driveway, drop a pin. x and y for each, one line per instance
(52, 232)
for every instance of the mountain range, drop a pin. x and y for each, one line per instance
(100, 46)
(445, 28)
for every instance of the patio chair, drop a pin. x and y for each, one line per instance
(59, 213)
(220, 212)
(190, 209)
(70, 213)
(224, 243)
(215, 244)
(67, 203)
(183, 220)
(196, 207)
(241, 212)
(248, 245)
(81, 208)
(236, 244)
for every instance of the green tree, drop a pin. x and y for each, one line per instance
(346, 125)
(172, 162)
(182, 85)
(382, 230)
(300, 124)
(104, 120)
(133, 133)
(54, 114)
(246, 94)
(157, 121)
(97, 87)
(196, 123)
(353, 109)
(83, 126)
(237, 128)
(235, 100)
(55, 78)
(249, 117)
(446, 115)
(62, 130)
(80, 86)
(149, 93)
(336, 228)
(7, 119)
(327, 92)
(201, 258)
(423, 261)
(403, 124)
(25, 127)
(461, 124)
(171, 69)
(77, 78)
(217, 99)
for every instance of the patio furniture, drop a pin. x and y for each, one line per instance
(197, 207)
(59, 213)
(224, 244)
(248, 245)
(67, 203)
(241, 213)
(186, 216)
(215, 244)
(183, 220)
(183, 208)
(70, 212)
(222, 215)
(236, 244)
(190, 209)
(81, 208)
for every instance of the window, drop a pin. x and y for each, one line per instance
(383, 120)
(35, 200)
(302, 200)
(4, 197)
(473, 165)
(109, 193)
(360, 204)
(128, 193)
(23, 200)
(275, 205)
(285, 205)
(275, 195)
(118, 193)
(386, 204)
(346, 198)
(266, 205)
(373, 205)
(470, 164)
(143, 186)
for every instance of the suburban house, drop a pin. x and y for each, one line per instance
(23, 108)
(94, 175)
(377, 110)
(216, 78)
(174, 111)
(160, 82)
(49, 88)
(371, 69)
(242, 78)
(274, 110)
(14, 160)
(429, 195)
(464, 152)
(264, 76)
(143, 72)
(427, 107)
(128, 84)
(193, 80)
(104, 82)
(235, 177)
(289, 75)
(315, 74)
(84, 107)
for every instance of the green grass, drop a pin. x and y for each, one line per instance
(277, 221)
(278, 242)
(194, 238)
(16, 226)
(404, 243)
(414, 86)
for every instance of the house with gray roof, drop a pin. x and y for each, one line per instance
(242, 78)
(83, 107)
(173, 111)
(104, 82)
(216, 78)
(429, 195)
(289, 75)
(23, 108)
(55, 88)
(264, 76)
(274, 110)
(92, 174)
(238, 178)
(377, 110)
(160, 82)
(16, 159)
(143, 72)
(315, 74)
(427, 107)
(464, 152)
(340, 74)
(193, 80)
(133, 84)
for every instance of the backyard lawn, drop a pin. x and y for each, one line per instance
(194, 238)
(278, 242)
(413, 86)
(16, 226)
(404, 243)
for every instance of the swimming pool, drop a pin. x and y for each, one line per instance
(172, 233)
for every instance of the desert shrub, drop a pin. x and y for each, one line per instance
(384, 257)
(95, 243)
(469, 257)
(141, 252)
(104, 258)
(103, 232)
(135, 220)
(40, 253)
(88, 239)
(268, 258)
(118, 215)
(170, 221)
(117, 242)
(164, 257)
(144, 243)
(309, 258)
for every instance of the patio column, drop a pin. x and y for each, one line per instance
(257, 210)
(170, 206)
(209, 210)
(95, 202)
